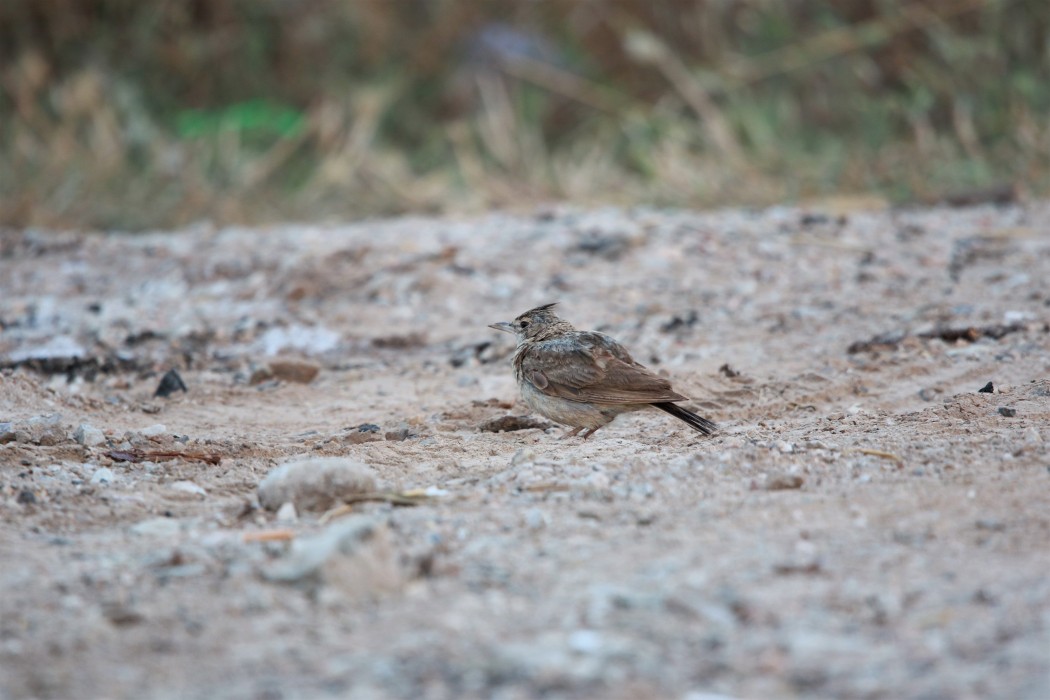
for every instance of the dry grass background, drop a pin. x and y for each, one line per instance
(133, 114)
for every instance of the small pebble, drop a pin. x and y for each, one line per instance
(1016, 317)
(154, 430)
(88, 436)
(1007, 412)
(286, 513)
(315, 483)
(188, 487)
(535, 519)
(7, 433)
(402, 433)
(297, 371)
(51, 437)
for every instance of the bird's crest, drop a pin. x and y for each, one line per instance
(545, 307)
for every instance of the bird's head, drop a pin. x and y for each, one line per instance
(535, 324)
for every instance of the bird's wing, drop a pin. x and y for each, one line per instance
(592, 368)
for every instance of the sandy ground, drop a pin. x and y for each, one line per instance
(866, 524)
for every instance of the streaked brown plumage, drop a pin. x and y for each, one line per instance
(585, 379)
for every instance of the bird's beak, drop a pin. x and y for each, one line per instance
(502, 326)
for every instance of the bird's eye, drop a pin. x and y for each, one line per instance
(523, 324)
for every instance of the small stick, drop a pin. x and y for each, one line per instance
(269, 536)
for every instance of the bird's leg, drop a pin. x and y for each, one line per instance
(590, 432)
(572, 433)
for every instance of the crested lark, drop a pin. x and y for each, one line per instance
(585, 379)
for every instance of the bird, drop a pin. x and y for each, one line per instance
(584, 379)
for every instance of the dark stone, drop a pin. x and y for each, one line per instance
(678, 323)
(169, 384)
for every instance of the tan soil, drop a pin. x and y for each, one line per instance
(865, 524)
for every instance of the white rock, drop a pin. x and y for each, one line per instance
(103, 475)
(1016, 316)
(188, 487)
(535, 519)
(154, 430)
(286, 513)
(315, 483)
(88, 436)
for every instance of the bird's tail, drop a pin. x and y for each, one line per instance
(698, 422)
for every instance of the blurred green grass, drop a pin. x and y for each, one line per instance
(254, 116)
(125, 114)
